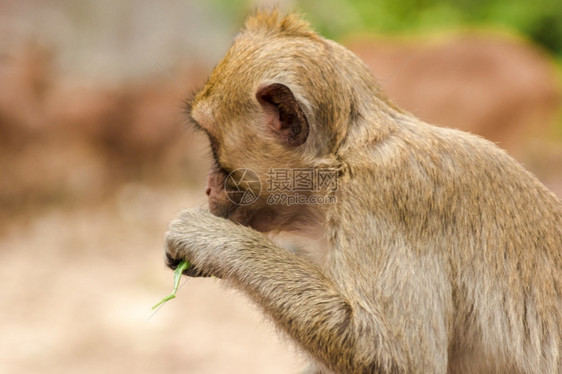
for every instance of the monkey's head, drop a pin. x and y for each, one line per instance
(283, 98)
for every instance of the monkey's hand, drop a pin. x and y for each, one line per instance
(202, 239)
(292, 290)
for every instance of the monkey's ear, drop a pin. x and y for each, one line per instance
(284, 114)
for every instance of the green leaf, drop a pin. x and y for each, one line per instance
(182, 266)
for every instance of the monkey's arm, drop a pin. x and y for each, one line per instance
(302, 300)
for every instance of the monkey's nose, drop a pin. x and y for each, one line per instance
(208, 191)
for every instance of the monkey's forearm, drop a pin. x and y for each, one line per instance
(299, 297)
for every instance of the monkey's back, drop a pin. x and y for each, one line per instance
(498, 225)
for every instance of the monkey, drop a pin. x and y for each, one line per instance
(440, 253)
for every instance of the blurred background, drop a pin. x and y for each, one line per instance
(95, 158)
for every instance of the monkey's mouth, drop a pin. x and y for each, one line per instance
(229, 208)
(259, 219)
(236, 197)
(234, 212)
(222, 207)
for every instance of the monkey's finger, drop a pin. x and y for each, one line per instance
(172, 262)
(196, 273)
(191, 271)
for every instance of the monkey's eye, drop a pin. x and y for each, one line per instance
(215, 153)
(215, 158)
(214, 147)
(194, 124)
(213, 141)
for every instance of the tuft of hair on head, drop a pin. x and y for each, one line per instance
(270, 21)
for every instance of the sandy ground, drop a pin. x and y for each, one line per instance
(77, 289)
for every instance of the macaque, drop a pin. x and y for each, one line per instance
(439, 252)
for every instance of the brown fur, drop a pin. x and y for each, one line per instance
(442, 254)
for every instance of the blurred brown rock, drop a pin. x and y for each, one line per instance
(496, 86)
(63, 139)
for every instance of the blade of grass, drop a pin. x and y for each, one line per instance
(182, 266)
